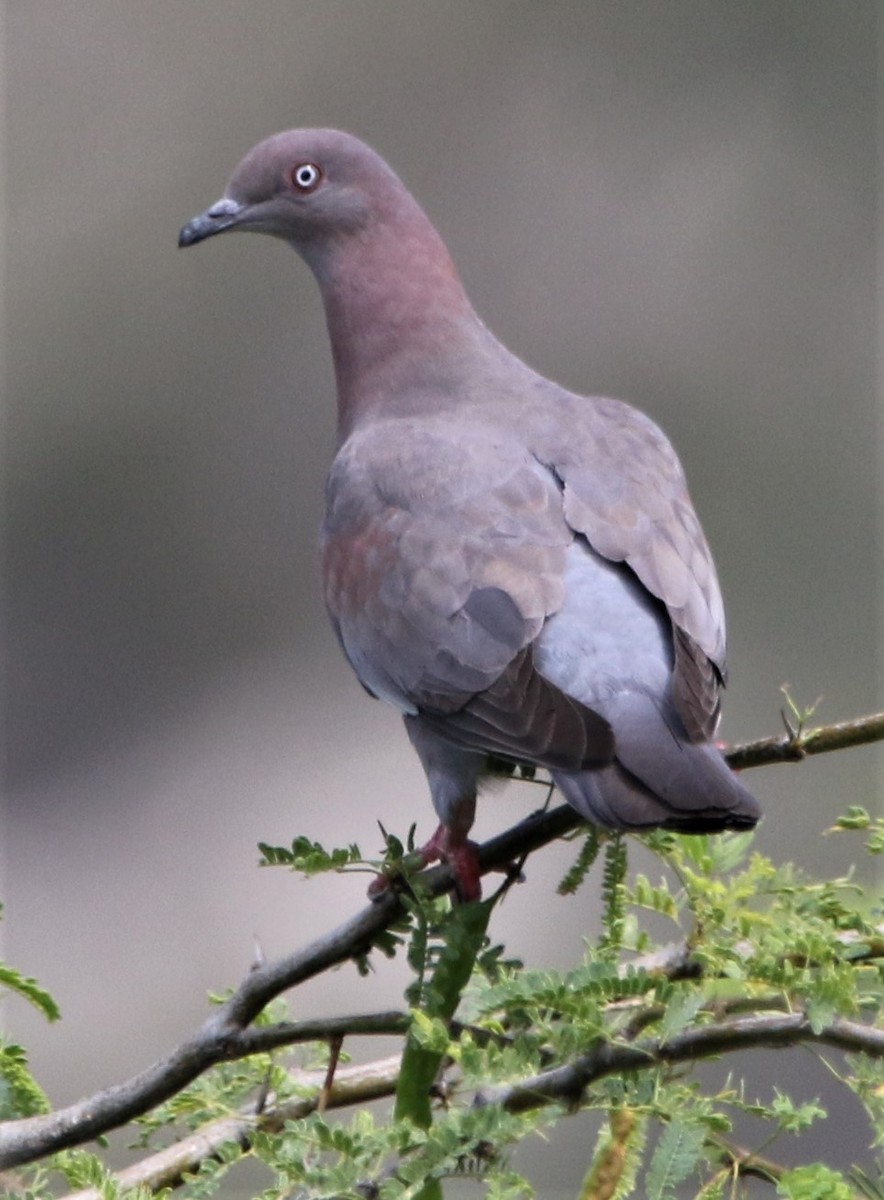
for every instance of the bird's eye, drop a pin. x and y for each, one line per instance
(306, 177)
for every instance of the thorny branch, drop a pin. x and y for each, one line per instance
(564, 1084)
(570, 1081)
(226, 1035)
(356, 1085)
(800, 744)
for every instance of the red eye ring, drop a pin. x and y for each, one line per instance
(306, 177)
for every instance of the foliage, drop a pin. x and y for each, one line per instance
(20, 1094)
(13, 981)
(495, 1053)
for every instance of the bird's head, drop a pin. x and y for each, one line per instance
(306, 186)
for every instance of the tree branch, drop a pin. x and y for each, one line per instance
(358, 1085)
(568, 1083)
(797, 745)
(220, 1038)
(290, 1033)
(225, 1035)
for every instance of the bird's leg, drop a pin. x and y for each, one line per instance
(452, 846)
(453, 774)
(461, 854)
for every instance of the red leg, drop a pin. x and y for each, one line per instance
(455, 849)
(462, 856)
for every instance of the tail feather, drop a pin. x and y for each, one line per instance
(658, 778)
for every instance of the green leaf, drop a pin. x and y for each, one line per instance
(30, 990)
(794, 1117)
(681, 1008)
(659, 899)
(614, 897)
(674, 1159)
(20, 1094)
(429, 1032)
(589, 852)
(309, 857)
(814, 1182)
(856, 817)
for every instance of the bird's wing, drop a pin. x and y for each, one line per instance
(624, 489)
(444, 553)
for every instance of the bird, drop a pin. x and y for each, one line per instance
(516, 568)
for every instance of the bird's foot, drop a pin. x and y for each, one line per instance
(461, 855)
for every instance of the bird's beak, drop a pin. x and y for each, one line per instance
(222, 215)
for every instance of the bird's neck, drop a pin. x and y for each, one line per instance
(401, 326)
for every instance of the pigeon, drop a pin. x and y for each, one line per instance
(518, 569)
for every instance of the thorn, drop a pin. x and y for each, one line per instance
(334, 1053)
(791, 731)
(259, 958)
(263, 1094)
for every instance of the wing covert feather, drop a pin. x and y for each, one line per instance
(624, 490)
(439, 568)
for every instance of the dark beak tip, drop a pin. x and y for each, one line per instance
(196, 230)
(222, 215)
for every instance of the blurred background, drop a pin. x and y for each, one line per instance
(675, 204)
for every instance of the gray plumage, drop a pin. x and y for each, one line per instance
(518, 569)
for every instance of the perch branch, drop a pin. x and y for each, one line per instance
(226, 1032)
(358, 1085)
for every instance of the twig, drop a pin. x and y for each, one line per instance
(746, 1162)
(569, 1082)
(226, 1034)
(325, 1029)
(219, 1039)
(819, 740)
(167, 1168)
(334, 1053)
(357, 1085)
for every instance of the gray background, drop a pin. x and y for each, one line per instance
(674, 203)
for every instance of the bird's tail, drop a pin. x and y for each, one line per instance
(658, 777)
